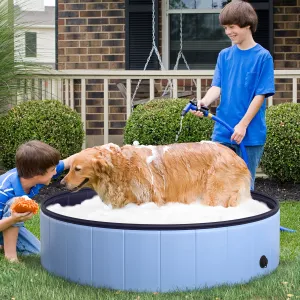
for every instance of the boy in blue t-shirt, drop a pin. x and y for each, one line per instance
(243, 78)
(36, 164)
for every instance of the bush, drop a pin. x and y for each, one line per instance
(282, 150)
(158, 121)
(46, 120)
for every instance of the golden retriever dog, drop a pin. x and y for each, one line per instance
(181, 172)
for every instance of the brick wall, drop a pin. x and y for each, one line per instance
(91, 35)
(286, 45)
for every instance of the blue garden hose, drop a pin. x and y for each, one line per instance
(192, 105)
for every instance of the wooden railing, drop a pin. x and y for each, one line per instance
(60, 85)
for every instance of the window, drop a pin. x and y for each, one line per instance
(138, 28)
(202, 36)
(264, 32)
(30, 44)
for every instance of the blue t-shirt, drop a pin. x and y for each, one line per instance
(242, 75)
(10, 186)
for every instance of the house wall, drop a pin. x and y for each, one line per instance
(91, 35)
(32, 5)
(45, 45)
(35, 17)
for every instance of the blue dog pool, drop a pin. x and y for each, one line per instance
(158, 258)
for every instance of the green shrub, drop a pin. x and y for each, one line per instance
(158, 121)
(281, 159)
(46, 120)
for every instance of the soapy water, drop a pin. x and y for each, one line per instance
(149, 213)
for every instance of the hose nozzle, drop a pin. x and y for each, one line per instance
(192, 105)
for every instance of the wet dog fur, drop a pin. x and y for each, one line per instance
(181, 172)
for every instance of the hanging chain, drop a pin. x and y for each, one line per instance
(180, 53)
(154, 49)
(169, 86)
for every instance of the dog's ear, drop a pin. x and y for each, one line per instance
(101, 165)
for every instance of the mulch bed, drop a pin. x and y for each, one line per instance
(276, 190)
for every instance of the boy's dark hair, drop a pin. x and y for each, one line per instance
(239, 13)
(34, 158)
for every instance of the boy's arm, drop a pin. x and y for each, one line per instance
(241, 128)
(215, 91)
(14, 218)
(211, 95)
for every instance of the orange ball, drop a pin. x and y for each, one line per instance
(22, 205)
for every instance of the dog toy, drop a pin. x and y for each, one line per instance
(22, 205)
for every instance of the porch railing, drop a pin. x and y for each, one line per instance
(60, 85)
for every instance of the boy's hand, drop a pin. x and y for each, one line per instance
(69, 161)
(239, 133)
(21, 217)
(198, 113)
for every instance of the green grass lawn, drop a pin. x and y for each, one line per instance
(29, 281)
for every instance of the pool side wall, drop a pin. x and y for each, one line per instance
(157, 260)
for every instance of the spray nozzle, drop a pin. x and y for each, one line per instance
(192, 105)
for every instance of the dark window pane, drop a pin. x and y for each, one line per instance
(261, 35)
(30, 44)
(195, 4)
(203, 39)
(138, 29)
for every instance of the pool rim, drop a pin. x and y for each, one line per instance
(273, 204)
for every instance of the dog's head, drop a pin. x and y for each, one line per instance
(89, 167)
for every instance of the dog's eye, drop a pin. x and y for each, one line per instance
(77, 169)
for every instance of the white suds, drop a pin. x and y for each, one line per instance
(207, 142)
(150, 213)
(166, 148)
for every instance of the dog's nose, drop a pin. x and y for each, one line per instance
(63, 182)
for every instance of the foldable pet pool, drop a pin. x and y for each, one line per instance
(158, 258)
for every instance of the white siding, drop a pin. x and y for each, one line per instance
(31, 5)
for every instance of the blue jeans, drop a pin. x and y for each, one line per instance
(254, 155)
(27, 243)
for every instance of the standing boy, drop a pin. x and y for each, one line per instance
(36, 164)
(243, 78)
